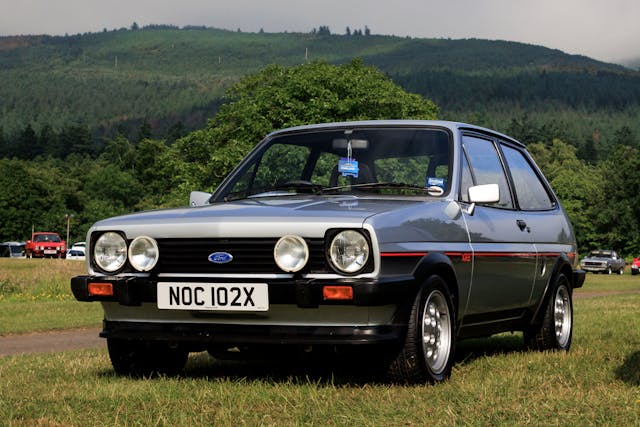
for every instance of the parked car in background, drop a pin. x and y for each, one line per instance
(45, 245)
(12, 249)
(76, 254)
(390, 239)
(603, 261)
(635, 266)
(79, 245)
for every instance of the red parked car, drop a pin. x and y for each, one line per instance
(635, 266)
(46, 245)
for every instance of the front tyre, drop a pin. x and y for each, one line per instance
(428, 350)
(556, 330)
(139, 358)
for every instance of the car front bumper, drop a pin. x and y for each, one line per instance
(594, 268)
(298, 314)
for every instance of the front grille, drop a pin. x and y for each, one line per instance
(250, 256)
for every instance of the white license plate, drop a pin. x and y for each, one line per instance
(213, 296)
(50, 251)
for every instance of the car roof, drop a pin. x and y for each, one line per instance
(453, 126)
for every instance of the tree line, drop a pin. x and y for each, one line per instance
(74, 175)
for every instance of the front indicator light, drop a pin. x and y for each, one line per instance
(100, 289)
(341, 293)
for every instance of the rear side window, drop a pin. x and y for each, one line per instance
(485, 167)
(531, 193)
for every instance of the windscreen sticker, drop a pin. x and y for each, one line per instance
(436, 182)
(348, 167)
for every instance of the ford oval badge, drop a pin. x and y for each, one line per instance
(220, 257)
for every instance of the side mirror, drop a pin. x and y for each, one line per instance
(486, 193)
(199, 198)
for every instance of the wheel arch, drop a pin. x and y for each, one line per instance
(440, 264)
(562, 266)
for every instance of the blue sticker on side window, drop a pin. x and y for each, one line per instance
(436, 182)
(348, 167)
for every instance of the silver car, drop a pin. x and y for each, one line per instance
(401, 237)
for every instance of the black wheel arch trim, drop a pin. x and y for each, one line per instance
(575, 278)
(441, 264)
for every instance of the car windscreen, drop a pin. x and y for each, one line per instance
(396, 161)
(46, 238)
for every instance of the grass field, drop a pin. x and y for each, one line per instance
(494, 381)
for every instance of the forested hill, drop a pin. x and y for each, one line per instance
(173, 79)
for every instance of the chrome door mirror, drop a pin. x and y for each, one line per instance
(486, 193)
(199, 198)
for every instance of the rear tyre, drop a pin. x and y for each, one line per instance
(138, 358)
(429, 346)
(556, 330)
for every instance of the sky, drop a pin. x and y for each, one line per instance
(607, 30)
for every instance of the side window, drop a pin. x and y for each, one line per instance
(487, 167)
(530, 191)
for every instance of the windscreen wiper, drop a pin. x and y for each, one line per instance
(432, 190)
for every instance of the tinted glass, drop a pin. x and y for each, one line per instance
(396, 161)
(486, 167)
(530, 191)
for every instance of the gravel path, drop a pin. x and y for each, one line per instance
(48, 342)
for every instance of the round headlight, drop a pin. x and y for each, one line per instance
(291, 253)
(143, 253)
(349, 251)
(110, 252)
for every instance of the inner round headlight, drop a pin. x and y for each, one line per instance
(349, 251)
(110, 252)
(143, 253)
(291, 253)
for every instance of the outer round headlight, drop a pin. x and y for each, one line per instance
(143, 253)
(349, 251)
(291, 253)
(110, 252)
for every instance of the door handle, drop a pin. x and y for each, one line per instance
(522, 225)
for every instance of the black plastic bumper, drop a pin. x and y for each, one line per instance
(134, 291)
(210, 334)
(578, 278)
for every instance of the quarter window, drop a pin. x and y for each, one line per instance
(530, 191)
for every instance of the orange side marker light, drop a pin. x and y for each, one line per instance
(337, 292)
(100, 289)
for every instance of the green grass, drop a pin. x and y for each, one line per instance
(494, 382)
(35, 295)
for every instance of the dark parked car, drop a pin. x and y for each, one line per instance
(12, 249)
(603, 261)
(398, 236)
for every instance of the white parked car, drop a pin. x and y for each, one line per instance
(79, 245)
(76, 254)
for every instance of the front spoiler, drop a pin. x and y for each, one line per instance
(204, 335)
